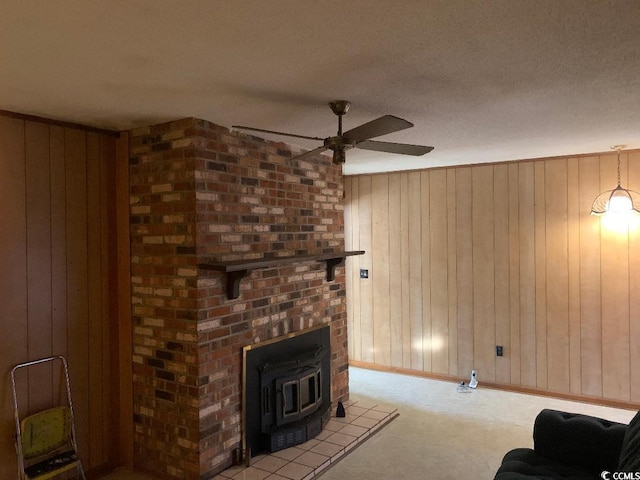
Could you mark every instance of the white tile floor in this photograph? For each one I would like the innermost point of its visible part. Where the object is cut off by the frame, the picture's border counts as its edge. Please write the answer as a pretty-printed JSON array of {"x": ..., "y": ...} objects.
[{"x": 305, "y": 461}]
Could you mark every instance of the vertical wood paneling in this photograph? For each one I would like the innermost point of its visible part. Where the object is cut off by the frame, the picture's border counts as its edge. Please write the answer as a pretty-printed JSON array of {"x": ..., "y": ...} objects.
[
  {"x": 464, "y": 271},
  {"x": 122, "y": 348},
  {"x": 425, "y": 234},
  {"x": 56, "y": 281},
  {"x": 77, "y": 280},
  {"x": 415, "y": 270},
  {"x": 439, "y": 282},
  {"x": 557, "y": 275},
  {"x": 366, "y": 289},
  {"x": 406, "y": 259},
  {"x": 380, "y": 269},
  {"x": 349, "y": 203},
  {"x": 573, "y": 259},
  {"x": 95, "y": 333},
  {"x": 508, "y": 254},
  {"x": 38, "y": 215},
  {"x": 13, "y": 280},
  {"x": 590, "y": 280},
  {"x": 633, "y": 180},
  {"x": 527, "y": 288},
  {"x": 355, "y": 274},
  {"x": 541, "y": 276},
  {"x": 58, "y": 240},
  {"x": 615, "y": 294},
  {"x": 107, "y": 429},
  {"x": 501, "y": 268},
  {"x": 396, "y": 253},
  {"x": 452, "y": 285},
  {"x": 512, "y": 352},
  {"x": 483, "y": 273}
]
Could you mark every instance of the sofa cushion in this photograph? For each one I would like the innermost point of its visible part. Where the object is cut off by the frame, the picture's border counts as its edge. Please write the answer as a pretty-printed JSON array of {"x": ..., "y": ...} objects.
[
  {"x": 525, "y": 464},
  {"x": 579, "y": 440},
  {"x": 630, "y": 452}
]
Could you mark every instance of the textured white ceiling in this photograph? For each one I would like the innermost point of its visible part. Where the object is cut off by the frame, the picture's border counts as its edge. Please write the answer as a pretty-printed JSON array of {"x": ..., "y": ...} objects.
[{"x": 482, "y": 81}]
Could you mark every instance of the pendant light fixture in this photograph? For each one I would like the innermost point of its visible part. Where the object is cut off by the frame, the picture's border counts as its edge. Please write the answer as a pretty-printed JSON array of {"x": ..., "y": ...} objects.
[{"x": 619, "y": 201}]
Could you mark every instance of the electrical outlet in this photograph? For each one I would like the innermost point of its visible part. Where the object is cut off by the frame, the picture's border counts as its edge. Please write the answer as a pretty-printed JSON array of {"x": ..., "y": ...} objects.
[
  {"x": 499, "y": 350},
  {"x": 364, "y": 273}
]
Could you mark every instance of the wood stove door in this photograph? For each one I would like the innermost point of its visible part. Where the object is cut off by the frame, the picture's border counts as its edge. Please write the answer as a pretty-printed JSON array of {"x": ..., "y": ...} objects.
[{"x": 294, "y": 400}]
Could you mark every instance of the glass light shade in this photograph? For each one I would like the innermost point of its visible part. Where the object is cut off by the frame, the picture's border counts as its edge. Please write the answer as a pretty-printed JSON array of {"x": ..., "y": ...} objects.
[{"x": 619, "y": 202}]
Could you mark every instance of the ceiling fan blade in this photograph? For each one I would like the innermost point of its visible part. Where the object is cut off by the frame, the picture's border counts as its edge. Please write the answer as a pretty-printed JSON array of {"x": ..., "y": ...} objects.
[
  {"x": 375, "y": 128},
  {"x": 276, "y": 133},
  {"x": 402, "y": 148},
  {"x": 310, "y": 153}
]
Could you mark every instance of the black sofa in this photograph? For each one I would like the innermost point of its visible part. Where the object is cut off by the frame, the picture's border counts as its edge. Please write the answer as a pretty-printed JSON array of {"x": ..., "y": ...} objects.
[{"x": 575, "y": 447}]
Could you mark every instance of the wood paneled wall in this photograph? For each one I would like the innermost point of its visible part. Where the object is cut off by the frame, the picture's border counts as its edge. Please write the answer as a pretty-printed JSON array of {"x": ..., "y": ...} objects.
[
  {"x": 58, "y": 278},
  {"x": 463, "y": 259}
]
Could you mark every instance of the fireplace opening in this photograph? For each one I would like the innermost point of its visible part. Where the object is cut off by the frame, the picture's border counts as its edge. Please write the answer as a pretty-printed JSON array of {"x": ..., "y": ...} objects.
[{"x": 286, "y": 390}]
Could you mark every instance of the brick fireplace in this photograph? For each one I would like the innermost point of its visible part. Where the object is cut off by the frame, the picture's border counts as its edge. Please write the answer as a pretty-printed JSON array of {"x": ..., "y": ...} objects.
[{"x": 200, "y": 193}]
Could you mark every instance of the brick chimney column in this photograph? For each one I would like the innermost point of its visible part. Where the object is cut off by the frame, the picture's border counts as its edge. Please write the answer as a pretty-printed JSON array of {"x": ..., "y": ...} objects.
[{"x": 198, "y": 192}]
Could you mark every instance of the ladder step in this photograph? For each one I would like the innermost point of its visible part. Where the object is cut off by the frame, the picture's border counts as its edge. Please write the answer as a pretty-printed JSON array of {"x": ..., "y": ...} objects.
[{"x": 51, "y": 464}]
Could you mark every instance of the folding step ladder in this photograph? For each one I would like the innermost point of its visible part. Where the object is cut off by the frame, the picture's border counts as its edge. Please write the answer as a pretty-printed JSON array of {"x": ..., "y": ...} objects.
[{"x": 46, "y": 440}]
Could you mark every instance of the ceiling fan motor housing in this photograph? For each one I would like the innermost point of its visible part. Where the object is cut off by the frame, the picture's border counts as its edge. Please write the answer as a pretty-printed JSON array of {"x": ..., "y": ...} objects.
[{"x": 339, "y": 144}]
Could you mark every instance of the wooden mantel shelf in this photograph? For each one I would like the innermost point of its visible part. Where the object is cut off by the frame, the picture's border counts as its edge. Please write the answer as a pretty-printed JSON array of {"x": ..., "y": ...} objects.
[{"x": 237, "y": 270}]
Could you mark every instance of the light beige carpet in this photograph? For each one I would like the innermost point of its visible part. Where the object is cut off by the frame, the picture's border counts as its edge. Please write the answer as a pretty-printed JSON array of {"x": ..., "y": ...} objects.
[
  {"x": 443, "y": 434},
  {"x": 440, "y": 433}
]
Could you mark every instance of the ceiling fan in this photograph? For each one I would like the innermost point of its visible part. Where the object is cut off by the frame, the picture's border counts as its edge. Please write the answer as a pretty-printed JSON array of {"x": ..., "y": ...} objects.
[{"x": 358, "y": 137}]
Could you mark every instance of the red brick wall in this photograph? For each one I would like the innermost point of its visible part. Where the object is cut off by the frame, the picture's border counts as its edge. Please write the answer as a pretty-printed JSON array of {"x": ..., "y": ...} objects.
[{"x": 199, "y": 192}]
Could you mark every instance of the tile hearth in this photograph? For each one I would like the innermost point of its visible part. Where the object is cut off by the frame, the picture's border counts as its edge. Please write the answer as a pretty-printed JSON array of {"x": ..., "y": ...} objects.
[{"x": 310, "y": 459}]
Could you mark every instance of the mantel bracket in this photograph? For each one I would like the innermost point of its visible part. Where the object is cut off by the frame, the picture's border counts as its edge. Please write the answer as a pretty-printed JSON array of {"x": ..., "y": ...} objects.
[
  {"x": 233, "y": 282},
  {"x": 332, "y": 263}
]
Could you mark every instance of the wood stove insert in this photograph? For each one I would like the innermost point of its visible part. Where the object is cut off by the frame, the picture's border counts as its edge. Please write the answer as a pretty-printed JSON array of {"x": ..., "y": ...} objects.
[{"x": 286, "y": 390}]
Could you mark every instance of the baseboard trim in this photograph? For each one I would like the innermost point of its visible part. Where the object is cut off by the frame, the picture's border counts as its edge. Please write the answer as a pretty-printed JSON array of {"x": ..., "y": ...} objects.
[{"x": 498, "y": 386}]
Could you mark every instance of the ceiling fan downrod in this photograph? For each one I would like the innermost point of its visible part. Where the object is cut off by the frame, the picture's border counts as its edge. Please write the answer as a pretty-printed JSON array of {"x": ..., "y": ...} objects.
[
  {"x": 337, "y": 143},
  {"x": 340, "y": 107}
]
